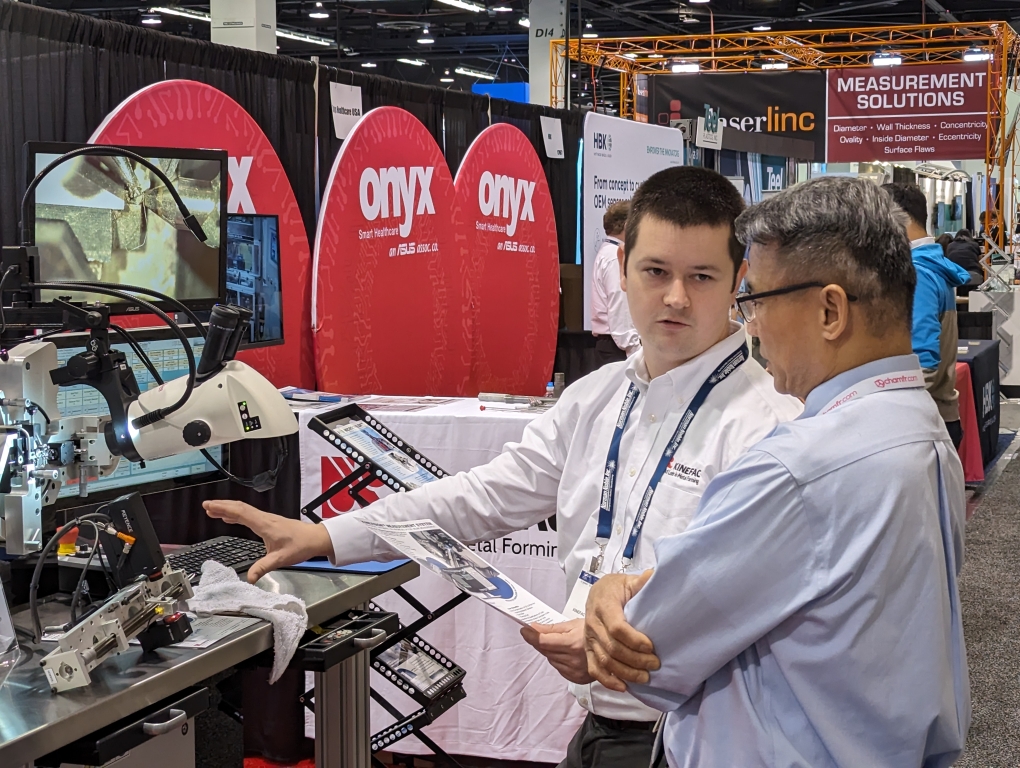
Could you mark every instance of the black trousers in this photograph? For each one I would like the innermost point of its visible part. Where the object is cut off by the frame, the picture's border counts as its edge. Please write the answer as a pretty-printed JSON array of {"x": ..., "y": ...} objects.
[
  {"x": 607, "y": 352},
  {"x": 602, "y": 743},
  {"x": 955, "y": 429}
]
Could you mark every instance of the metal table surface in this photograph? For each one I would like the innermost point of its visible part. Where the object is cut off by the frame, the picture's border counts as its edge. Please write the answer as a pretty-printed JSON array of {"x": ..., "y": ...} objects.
[{"x": 34, "y": 721}]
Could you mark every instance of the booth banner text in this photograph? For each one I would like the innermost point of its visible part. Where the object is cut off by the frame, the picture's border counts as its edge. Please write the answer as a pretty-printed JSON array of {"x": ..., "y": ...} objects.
[
  {"x": 517, "y": 706},
  {"x": 193, "y": 115},
  {"x": 924, "y": 112},
  {"x": 513, "y": 262},
  {"x": 388, "y": 291},
  {"x": 618, "y": 155},
  {"x": 790, "y": 104}
]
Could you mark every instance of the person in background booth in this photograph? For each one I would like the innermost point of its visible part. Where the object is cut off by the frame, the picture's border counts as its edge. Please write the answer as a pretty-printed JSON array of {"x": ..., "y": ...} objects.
[
  {"x": 935, "y": 334},
  {"x": 656, "y": 429},
  {"x": 616, "y": 338}
]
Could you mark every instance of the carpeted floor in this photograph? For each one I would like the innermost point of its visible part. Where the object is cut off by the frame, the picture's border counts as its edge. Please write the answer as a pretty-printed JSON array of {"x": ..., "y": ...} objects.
[{"x": 990, "y": 597}]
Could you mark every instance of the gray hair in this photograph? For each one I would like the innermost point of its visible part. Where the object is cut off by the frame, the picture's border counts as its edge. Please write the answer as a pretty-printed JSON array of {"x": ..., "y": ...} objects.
[{"x": 844, "y": 231}]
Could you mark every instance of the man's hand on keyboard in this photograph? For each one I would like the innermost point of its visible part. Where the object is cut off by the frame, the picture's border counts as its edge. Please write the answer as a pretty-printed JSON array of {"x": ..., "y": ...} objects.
[{"x": 287, "y": 541}]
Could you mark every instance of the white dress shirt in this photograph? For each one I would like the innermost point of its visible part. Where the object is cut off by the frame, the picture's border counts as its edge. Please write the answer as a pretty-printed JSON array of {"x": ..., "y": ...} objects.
[
  {"x": 610, "y": 315},
  {"x": 558, "y": 466}
]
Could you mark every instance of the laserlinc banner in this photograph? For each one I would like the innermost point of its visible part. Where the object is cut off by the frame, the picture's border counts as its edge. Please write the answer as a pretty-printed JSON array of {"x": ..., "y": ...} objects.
[
  {"x": 790, "y": 104},
  {"x": 917, "y": 112}
]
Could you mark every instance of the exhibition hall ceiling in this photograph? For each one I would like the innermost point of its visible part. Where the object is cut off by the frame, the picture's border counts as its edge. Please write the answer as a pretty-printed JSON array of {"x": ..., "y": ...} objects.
[{"x": 492, "y": 39}]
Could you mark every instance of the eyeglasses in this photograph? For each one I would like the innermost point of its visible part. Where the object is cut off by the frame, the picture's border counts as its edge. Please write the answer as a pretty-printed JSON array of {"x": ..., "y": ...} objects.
[{"x": 747, "y": 302}]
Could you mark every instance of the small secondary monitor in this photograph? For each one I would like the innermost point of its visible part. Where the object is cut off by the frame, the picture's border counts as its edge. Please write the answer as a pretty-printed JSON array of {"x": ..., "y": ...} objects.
[
  {"x": 253, "y": 275},
  {"x": 111, "y": 219}
]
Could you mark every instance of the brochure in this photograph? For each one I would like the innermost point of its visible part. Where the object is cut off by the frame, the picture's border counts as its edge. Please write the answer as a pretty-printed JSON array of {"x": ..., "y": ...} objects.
[
  {"x": 429, "y": 545},
  {"x": 370, "y": 441}
]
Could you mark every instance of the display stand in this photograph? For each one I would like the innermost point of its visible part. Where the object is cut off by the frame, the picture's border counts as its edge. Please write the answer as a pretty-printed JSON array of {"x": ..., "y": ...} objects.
[{"x": 405, "y": 659}]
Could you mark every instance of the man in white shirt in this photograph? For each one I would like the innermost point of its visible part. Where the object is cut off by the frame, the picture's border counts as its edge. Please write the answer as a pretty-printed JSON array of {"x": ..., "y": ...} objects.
[
  {"x": 679, "y": 411},
  {"x": 616, "y": 338}
]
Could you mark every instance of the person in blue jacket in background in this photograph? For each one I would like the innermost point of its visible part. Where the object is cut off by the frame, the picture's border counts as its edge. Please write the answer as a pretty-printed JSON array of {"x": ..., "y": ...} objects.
[{"x": 934, "y": 332}]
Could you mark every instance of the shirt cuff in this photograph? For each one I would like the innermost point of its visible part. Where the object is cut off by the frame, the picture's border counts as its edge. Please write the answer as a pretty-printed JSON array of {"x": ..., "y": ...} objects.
[{"x": 352, "y": 541}]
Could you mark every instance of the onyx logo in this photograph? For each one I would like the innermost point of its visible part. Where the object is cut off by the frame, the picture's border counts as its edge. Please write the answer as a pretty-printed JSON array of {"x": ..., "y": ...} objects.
[
  {"x": 603, "y": 141},
  {"x": 506, "y": 197},
  {"x": 391, "y": 193}
]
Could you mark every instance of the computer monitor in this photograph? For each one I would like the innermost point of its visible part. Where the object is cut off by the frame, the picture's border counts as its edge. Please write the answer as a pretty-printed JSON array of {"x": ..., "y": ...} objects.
[
  {"x": 253, "y": 275},
  {"x": 110, "y": 218}
]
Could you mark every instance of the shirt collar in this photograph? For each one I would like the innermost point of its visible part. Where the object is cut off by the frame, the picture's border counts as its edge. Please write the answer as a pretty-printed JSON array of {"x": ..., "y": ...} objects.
[
  {"x": 613, "y": 240},
  {"x": 685, "y": 379},
  {"x": 828, "y": 390},
  {"x": 921, "y": 241}
]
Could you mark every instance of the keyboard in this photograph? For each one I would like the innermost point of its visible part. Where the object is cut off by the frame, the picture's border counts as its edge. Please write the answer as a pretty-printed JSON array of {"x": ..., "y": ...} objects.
[{"x": 231, "y": 551}]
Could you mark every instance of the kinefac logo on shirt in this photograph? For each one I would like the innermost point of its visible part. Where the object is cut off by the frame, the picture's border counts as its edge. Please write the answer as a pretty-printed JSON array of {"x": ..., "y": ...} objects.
[{"x": 683, "y": 472}]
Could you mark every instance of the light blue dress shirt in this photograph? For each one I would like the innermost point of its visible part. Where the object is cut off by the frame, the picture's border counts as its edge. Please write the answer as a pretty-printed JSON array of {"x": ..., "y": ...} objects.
[{"x": 809, "y": 616}]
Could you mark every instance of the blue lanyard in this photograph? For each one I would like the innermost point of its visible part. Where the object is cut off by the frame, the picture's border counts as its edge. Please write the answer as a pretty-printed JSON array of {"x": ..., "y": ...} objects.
[{"x": 608, "y": 501}]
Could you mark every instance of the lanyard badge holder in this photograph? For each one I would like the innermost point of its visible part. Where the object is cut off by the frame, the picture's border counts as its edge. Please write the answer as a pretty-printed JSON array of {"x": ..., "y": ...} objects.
[{"x": 587, "y": 578}]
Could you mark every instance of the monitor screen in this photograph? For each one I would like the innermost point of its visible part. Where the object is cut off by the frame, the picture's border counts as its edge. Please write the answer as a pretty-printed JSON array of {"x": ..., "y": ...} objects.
[
  {"x": 253, "y": 275},
  {"x": 111, "y": 219},
  {"x": 169, "y": 360}
]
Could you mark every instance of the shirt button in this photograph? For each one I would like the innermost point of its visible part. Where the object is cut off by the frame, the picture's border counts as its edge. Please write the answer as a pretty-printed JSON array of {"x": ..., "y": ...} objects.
[
  {"x": 652, "y": 418},
  {"x": 619, "y": 529},
  {"x": 584, "y": 701},
  {"x": 633, "y": 471}
]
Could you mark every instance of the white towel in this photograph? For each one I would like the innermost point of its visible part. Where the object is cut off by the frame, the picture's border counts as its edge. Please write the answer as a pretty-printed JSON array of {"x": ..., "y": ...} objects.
[{"x": 221, "y": 591}]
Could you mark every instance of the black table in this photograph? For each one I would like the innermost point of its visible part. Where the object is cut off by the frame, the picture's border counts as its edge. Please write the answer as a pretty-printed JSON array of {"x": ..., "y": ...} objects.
[{"x": 983, "y": 359}]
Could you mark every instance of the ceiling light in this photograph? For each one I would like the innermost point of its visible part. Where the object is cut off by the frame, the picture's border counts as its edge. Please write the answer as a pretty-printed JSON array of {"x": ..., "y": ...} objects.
[
  {"x": 465, "y": 5},
  {"x": 447, "y": 80},
  {"x": 196, "y": 15},
  {"x": 886, "y": 59},
  {"x": 697, "y": 1},
  {"x": 681, "y": 67},
  {"x": 412, "y": 62},
  {"x": 976, "y": 54},
  {"x": 689, "y": 20},
  {"x": 762, "y": 28},
  {"x": 318, "y": 12},
  {"x": 426, "y": 38},
  {"x": 630, "y": 55},
  {"x": 474, "y": 73},
  {"x": 302, "y": 37},
  {"x": 775, "y": 65},
  {"x": 151, "y": 18},
  {"x": 369, "y": 64},
  {"x": 589, "y": 32},
  {"x": 501, "y": 9},
  {"x": 655, "y": 56},
  {"x": 524, "y": 22}
]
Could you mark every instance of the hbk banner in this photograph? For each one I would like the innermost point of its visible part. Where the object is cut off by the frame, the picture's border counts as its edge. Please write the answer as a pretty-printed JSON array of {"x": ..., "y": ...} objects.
[
  {"x": 917, "y": 112},
  {"x": 790, "y": 104}
]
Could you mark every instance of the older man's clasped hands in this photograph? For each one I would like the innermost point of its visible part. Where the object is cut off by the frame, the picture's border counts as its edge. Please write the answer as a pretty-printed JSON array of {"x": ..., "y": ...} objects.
[{"x": 617, "y": 653}]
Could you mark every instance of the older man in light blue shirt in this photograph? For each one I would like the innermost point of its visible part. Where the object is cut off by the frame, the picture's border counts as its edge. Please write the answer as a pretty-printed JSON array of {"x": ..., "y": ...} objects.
[{"x": 809, "y": 616}]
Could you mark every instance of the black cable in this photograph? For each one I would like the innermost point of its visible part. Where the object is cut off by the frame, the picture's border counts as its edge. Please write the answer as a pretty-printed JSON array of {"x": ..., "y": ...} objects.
[
  {"x": 33, "y": 589},
  {"x": 107, "y": 151},
  {"x": 159, "y": 413},
  {"x": 139, "y": 353},
  {"x": 3, "y": 320},
  {"x": 76, "y": 595},
  {"x": 36, "y": 407},
  {"x": 148, "y": 291}
]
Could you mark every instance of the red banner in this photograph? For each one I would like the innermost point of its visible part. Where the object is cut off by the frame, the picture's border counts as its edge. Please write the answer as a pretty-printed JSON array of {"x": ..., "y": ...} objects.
[
  {"x": 513, "y": 268},
  {"x": 187, "y": 114},
  {"x": 925, "y": 112},
  {"x": 389, "y": 298}
]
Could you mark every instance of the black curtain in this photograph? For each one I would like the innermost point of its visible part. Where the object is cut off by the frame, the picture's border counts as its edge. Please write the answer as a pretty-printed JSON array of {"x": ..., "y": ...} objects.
[
  {"x": 465, "y": 115},
  {"x": 61, "y": 75}
]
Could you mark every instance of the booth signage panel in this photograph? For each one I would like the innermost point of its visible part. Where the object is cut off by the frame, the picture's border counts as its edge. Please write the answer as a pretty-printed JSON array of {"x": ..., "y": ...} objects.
[
  {"x": 388, "y": 294},
  {"x": 618, "y": 155},
  {"x": 191, "y": 115},
  {"x": 786, "y": 103},
  {"x": 513, "y": 267},
  {"x": 922, "y": 112}
]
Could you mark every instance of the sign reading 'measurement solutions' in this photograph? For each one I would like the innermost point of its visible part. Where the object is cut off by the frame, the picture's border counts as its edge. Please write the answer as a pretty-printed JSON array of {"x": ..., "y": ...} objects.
[
  {"x": 513, "y": 262},
  {"x": 388, "y": 290},
  {"x": 924, "y": 112}
]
